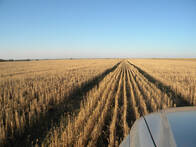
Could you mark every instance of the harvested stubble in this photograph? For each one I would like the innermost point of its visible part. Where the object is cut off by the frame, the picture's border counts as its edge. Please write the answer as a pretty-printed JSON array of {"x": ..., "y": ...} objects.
[
  {"x": 104, "y": 108},
  {"x": 31, "y": 91}
]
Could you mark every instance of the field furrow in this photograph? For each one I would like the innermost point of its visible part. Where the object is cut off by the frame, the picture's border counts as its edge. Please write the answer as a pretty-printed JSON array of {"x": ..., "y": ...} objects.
[
  {"x": 112, "y": 137},
  {"x": 133, "y": 104},
  {"x": 125, "y": 106},
  {"x": 139, "y": 97}
]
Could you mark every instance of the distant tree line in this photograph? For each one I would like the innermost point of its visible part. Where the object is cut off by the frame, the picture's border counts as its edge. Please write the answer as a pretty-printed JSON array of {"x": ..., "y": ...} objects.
[
  {"x": 13, "y": 60},
  {"x": 1, "y": 60}
]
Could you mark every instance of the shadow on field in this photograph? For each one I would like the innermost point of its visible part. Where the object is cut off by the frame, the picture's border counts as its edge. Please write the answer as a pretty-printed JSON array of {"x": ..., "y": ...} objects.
[
  {"x": 178, "y": 99},
  {"x": 38, "y": 131}
]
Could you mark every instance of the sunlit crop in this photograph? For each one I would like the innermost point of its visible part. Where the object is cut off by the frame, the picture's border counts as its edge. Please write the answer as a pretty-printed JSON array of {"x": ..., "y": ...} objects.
[{"x": 87, "y": 102}]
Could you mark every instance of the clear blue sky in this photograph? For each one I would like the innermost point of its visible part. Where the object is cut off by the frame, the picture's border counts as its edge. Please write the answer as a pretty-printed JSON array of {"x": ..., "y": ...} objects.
[{"x": 97, "y": 28}]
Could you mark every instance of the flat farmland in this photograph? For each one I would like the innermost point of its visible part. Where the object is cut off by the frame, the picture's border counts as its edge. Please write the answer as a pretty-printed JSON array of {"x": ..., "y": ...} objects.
[
  {"x": 87, "y": 102},
  {"x": 180, "y": 74}
]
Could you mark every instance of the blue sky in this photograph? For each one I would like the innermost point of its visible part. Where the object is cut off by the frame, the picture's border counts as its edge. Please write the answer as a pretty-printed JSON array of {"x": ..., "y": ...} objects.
[{"x": 97, "y": 28}]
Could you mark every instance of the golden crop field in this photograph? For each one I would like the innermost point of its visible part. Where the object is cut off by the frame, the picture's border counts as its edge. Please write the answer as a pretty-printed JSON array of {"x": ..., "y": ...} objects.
[
  {"x": 180, "y": 74},
  {"x": 90, "y": 102}
]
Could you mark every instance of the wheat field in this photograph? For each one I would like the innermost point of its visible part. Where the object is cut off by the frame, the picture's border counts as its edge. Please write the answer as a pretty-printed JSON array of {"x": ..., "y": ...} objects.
[{"x": 87, "y": 102}]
